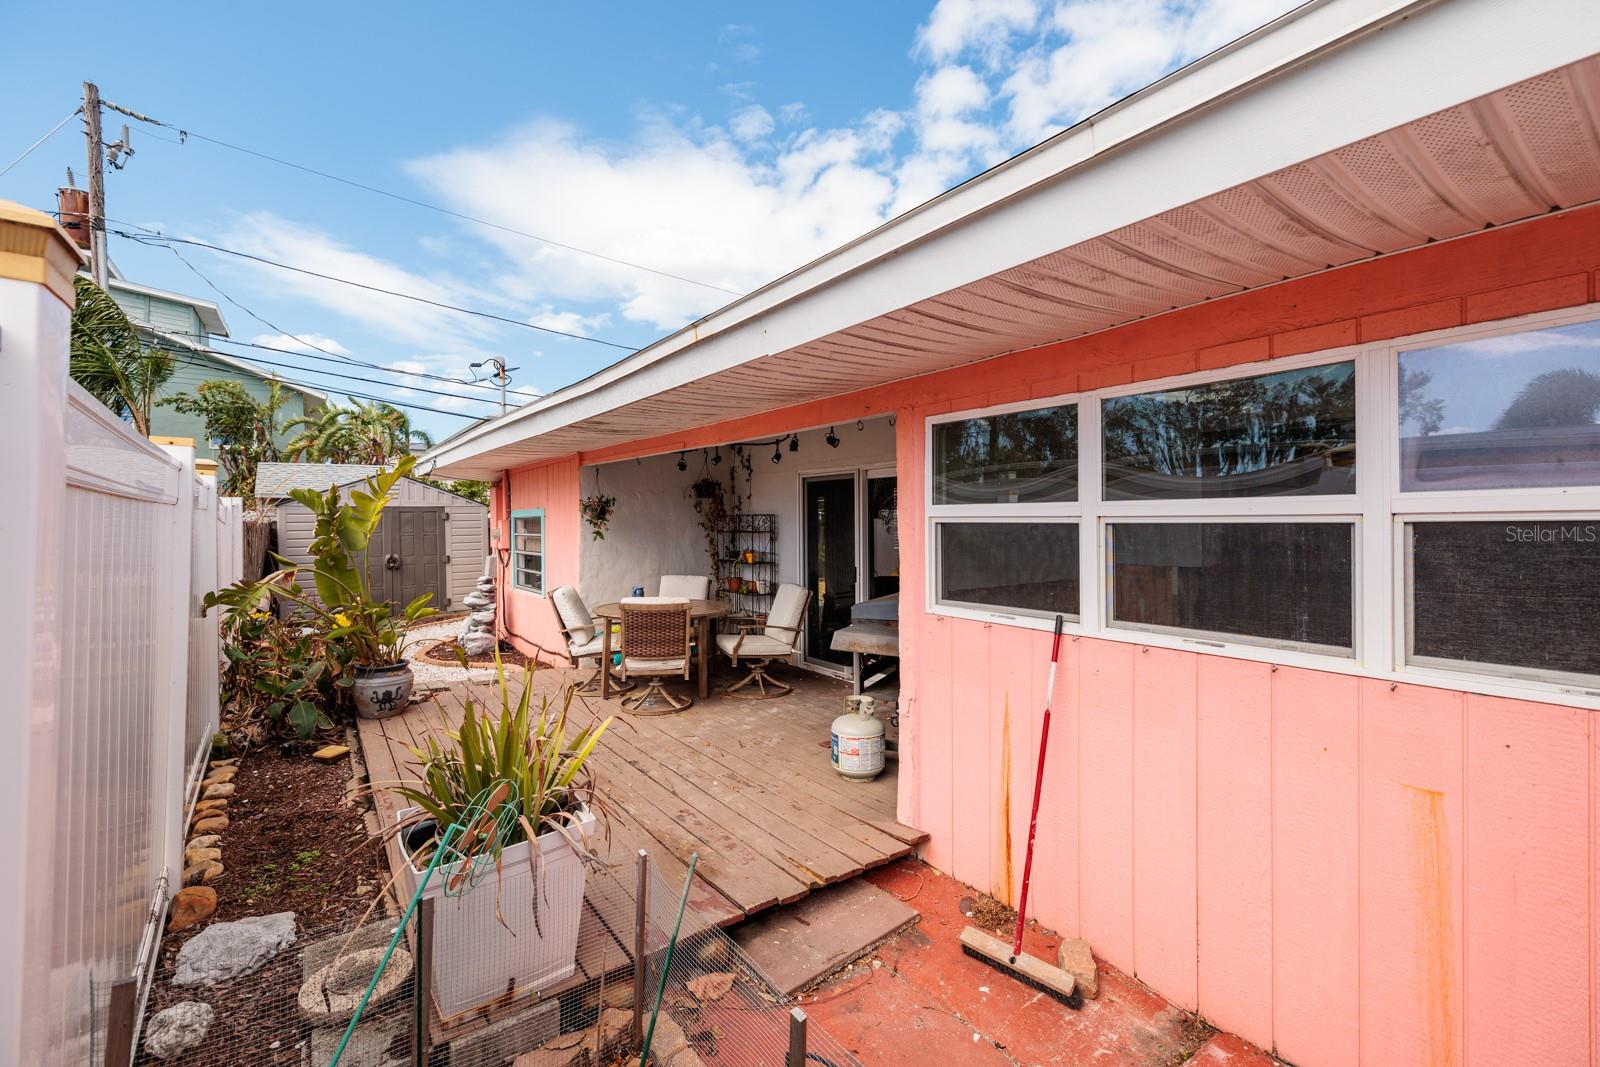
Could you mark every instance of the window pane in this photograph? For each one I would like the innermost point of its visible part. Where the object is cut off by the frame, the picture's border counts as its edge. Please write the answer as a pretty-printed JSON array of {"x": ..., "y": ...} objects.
[
  {"x": 1287, "y": 434},
  {"x": 1502, "y": 412},
  {"x": 1023, "y": 457},
  {"x": 1273, "y": 581},
  {"x": 1014, "y": 566},
  {"x": 1517, "y": 594}
]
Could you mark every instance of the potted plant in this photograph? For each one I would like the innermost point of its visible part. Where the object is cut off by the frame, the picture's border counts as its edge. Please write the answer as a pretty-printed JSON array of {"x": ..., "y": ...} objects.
[
  {"x": 372, "y": 637},
  {"x": 508, "y": 889},
  {"x": 596, "y": 512}
]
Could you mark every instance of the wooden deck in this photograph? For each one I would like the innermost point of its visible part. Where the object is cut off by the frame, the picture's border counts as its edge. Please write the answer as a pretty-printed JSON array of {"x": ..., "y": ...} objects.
[{"x": 746, "y": 783}]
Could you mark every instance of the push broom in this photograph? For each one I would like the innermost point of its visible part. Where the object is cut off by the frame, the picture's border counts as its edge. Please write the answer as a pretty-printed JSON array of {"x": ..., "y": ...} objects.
[{"x": 1009, "y": 958}]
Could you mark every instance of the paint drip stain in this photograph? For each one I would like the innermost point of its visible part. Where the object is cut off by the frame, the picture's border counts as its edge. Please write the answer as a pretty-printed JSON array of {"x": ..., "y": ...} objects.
[
  {"x": 1435, "y": 923},
  {"x": 1004, "y": 881}
]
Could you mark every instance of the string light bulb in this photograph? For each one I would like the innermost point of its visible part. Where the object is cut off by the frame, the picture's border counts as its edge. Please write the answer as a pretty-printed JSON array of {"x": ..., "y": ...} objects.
[
  {"x": 716, "y": 457},
  {"x": 794, "y": 442},
  {"x": 777, "y": 453},
  {"x": 832, "y": 438},
  {"x": 682, "y": 466}
]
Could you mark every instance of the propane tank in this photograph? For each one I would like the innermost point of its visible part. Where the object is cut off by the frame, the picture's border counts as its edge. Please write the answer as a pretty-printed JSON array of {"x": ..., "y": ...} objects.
[{"x": 857, "y": 747}]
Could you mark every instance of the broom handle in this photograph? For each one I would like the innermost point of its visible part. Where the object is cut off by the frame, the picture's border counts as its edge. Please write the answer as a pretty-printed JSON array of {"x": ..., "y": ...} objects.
[{"x": 1038, "y": 784}]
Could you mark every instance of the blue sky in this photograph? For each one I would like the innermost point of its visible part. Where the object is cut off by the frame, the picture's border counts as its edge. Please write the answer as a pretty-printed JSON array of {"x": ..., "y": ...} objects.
[{"x": 724, "y": 143}]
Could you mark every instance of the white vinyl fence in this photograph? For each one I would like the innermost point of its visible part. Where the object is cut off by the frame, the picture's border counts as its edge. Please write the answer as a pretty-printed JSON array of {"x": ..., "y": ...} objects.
[{"x": 112, "y": 543}]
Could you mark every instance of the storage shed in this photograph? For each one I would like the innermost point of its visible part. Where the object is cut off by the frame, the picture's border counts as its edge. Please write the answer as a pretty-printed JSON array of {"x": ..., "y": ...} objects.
[{"x": 430, "y": 540}]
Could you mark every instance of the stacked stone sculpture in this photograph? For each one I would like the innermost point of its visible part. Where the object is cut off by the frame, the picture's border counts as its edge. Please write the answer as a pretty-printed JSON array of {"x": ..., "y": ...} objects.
[{"x": 477, "y": 633}]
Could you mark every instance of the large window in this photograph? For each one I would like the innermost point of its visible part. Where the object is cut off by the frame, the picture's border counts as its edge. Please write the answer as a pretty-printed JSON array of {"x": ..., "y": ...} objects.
[
  {"x": 1287, "y": 434},
  {"x": 527, "y": 550},
  {"x": 1223, "y": 510}
]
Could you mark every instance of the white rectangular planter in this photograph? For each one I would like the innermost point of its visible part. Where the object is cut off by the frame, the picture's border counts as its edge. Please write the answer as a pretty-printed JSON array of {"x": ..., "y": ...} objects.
[{"x": 476, "y": 958}]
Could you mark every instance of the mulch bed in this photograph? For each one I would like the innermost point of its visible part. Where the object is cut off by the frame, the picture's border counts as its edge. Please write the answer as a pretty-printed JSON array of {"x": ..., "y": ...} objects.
[
  {"x": 444, "y": 654},
  {"x": 292, "y": 844}
]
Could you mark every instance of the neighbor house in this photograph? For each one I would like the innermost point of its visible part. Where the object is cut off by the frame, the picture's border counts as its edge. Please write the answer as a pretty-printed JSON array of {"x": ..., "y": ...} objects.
[{"x": 1280, "y": 380}]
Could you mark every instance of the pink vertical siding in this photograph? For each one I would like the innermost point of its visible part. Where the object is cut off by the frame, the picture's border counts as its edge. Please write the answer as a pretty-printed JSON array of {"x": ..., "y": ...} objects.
[
  {"x": 530, "y": 621},
  {"x": 1105, "y": 798},
  {"x": 1234, "y": 828}
]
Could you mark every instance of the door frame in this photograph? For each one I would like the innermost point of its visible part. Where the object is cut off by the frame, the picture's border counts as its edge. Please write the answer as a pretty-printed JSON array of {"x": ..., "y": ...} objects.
[{"x": 863, "y": 533}]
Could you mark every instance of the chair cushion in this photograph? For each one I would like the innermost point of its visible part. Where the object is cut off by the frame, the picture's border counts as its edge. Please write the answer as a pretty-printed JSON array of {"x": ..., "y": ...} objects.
[
  {"x": 788, "y": 608},
  {"x": 654, "y": 600},
  {"x": 654, "y": 666},
  {"x": 755, "y": 646},
  {"x": 690, "y": 586},
  {"x": 578, "y": 650}
]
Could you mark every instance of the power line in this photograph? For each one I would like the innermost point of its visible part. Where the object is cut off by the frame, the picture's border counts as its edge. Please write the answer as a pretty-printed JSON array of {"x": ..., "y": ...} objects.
[
  {"x": 29, "y": 150},
  {"x": 156, "y": 238},
  {"x": 185, "y": 134}
]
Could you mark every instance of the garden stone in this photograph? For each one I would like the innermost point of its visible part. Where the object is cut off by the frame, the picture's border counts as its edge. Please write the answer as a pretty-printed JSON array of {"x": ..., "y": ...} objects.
[
  {"x": 193, "y": 855},
  {"x": 219, "y": 775},
  {"x": 483, "y": 618},
  {"x": 214, "y": 792},
  {"x": 329, "y": 753},
  {"x": 478, "y": 600},
  {"x": 369, "y": 1045},
  {"x": 191, "y": 907},
  {"x": 478, "y": 644},
  {"x": 212, "y": 824},
  {"x": 204, "y": 841},
  {"x": 204, "y": 871},
  {"x": 228, "y": 950},
  {"x": 501, "y": 1041},
  {"x": 177, "y": 1029},
  {"x": 219, "y": 804}
]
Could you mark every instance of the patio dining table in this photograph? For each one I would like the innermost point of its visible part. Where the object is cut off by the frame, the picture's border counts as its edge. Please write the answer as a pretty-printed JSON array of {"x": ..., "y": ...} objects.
[{"x": 701, "y": 612}]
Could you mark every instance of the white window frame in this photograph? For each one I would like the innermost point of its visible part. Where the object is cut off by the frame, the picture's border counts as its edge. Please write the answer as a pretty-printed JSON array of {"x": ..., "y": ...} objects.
[{"x": 1378, "y": 509}]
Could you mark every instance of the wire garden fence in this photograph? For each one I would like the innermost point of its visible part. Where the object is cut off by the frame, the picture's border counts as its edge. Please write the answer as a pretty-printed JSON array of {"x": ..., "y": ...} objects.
[{"x": 639, "y": 971}]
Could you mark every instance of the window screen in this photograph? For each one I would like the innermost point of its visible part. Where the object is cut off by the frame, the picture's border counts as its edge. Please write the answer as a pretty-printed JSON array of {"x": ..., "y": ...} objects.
[
  {"x": 1021, "y": 457},
  {"x": 1512, "y": 594},
  {"x": 1515, "y": 411},
  {"x": 1030, "y": 567},
  {"x": 1292, "y": 433},
  {"x": 527, "y": 551},
  {"x": 1278, "y": 582}
]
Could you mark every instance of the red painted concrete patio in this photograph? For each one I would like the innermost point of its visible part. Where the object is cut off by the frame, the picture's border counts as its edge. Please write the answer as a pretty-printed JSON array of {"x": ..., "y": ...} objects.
[{"x": 928, "y": 1003}]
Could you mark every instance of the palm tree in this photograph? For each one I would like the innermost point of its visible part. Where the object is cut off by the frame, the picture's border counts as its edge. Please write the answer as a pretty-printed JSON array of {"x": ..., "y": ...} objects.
[
  {"x": 321, "y": 436},
  {"x": 109, "y": 360},
  {"x": 374, "y": 432}
]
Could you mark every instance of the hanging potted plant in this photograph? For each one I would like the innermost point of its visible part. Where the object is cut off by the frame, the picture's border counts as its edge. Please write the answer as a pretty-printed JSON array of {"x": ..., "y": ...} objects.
[
  {"x": 508, "y": 890},
  {"x": 596, "y": 511}
]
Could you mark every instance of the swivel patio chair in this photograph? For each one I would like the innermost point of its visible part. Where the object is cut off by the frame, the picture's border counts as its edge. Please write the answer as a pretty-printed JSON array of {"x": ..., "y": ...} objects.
[
  {"x": 584, "y": 635},
  {"x": 657, "y": 635},
  {"x": 776, "y": 638},
  {"x": 689, "y": 586}
]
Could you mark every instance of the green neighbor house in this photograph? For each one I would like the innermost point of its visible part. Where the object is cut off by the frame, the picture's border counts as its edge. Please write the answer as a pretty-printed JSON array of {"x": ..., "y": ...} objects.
[{"x": 186, "y": 325}]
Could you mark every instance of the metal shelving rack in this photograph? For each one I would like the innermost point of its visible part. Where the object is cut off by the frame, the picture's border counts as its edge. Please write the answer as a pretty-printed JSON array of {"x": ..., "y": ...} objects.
[{"x": 748, "y": 545}]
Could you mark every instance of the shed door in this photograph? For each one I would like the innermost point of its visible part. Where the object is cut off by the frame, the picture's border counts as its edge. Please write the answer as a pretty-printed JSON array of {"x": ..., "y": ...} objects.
[{"x": 406, "y": 556}]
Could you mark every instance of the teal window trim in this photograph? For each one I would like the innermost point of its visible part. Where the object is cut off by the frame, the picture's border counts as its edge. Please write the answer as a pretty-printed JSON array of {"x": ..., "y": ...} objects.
[{"x": 528, "y": 557}]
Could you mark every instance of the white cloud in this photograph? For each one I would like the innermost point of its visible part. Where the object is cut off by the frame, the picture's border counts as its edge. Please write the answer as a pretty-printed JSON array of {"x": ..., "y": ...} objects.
[
  {"x": 751, "y": 123},
  {"x": 569, "y": 321},
  {"x": 303, "y": 342},
  {"x": 984, "y": 27}
]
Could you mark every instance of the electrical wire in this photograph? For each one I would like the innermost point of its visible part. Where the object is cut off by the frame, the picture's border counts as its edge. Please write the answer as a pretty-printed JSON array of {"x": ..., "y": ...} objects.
[
  {"x": 184, "y": 358},
  {"x": 184, "y": 134},
  {"x": 29, "y": 150},
  {"x": 157, "y": 239}
]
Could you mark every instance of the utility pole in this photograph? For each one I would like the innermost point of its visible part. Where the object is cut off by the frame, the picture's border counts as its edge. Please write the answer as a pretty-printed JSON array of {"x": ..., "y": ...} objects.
[
  {"x": 501, "y": 371},
  {"x": 97, "y": 184}
]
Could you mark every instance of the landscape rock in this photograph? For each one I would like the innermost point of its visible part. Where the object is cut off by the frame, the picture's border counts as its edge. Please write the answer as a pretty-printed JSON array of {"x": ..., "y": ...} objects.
[
  {"x": 219, "y": 775},
  {"x": 501, "y": 1041},
  {"x": 211, "y": 824},
  {"x": 482, "y": 618},
  {"x": 1076, "y": 959},
  {"x": 212, "y": 792},
  {"x": 193, "y": 855},
  {"x": 231, "y": 761},
  {"x": 329, "y": 753},
  {"x": 477, "y": 600},
  {"x": 192, "y": 906},
  {"x": 219, "y": 804},
  {"x": 204, "y": 841},
  {"x": 204, "y": 871},
  {"x": 333, "y": 993},
  {"x": 177, "y": 1029},
  {"x": 227, "y": 950},
  {"x": 369, "y": 1046},
  {"x": 573, "y": 1049},
  {"x": 478, "y": 643}
]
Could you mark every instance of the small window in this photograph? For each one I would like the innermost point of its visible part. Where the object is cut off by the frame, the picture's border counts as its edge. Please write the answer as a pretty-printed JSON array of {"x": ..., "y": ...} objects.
[
  {"x": 1515, "y": 411},
  {"x": 1292, "y": 433},
  {"x": 1280, "y": 583},
  {"x": 1513, "y": 597},
  {"x": 1016, "y": 458},
  {"x": 1026, "y": 567},
  {"x": 527, "y": 550}
]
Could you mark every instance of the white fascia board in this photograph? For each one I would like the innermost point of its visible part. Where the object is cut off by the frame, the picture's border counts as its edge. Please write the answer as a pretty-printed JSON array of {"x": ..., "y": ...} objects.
[{"x": 1325, "y": 75}]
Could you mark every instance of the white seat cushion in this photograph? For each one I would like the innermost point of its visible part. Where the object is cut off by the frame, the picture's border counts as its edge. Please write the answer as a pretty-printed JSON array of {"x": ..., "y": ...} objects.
[
  {"x": 655, "y": 600},
  {"x": 788, "y": 608},
  {"x": 590, "y": 647},
  {"x": 690, "y": 586},
  {"x": 755, "y": 646},
  {"x": 654, "y": 666}
]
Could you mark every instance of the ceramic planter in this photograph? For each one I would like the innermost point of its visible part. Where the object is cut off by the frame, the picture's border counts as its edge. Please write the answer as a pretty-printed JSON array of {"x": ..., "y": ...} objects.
[
  {"x": 476, "y": 957},
  {"x": 382, "y": 691}
]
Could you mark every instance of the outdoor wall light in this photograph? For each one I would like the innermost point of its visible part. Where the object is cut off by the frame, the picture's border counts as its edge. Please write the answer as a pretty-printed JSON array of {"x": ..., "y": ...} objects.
[
  {"x": 777, "y": 454},
  {"x": 716, "y": 457},
  {"x": 794, "y": 443},
  {"x": 681, "y": 464},
  {"x": 832, "y": 438}
]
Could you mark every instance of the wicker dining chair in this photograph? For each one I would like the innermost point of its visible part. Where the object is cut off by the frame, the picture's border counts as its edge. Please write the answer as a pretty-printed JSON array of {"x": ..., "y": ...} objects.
[
  {"x": 657, "y": 634},
  {"x": 777, "y": 637}
]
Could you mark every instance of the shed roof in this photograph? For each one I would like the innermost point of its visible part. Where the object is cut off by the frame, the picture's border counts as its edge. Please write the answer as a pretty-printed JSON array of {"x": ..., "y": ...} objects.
[
  {"x": 276, "y": 479},
  {"x": 1344, "y": 130}
]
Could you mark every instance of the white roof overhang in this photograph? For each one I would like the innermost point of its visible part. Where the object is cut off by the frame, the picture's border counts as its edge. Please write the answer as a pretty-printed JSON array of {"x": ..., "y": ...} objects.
[
  {"x": 210, "y": 315},
  {"x": 1343, "y": 130}
]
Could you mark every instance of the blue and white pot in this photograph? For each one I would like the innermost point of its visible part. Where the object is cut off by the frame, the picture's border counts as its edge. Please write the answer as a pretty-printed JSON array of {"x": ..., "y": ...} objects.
[{"x": 380, "y": 692}]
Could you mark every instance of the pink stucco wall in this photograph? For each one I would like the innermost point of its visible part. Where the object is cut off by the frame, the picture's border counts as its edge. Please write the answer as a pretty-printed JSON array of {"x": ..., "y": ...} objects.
[{"x": 1342, "y": 869}]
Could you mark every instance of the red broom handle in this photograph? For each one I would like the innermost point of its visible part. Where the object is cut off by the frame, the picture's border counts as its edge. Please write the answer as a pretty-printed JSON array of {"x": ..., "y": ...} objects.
[{"x": 1038, "y": 785}]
